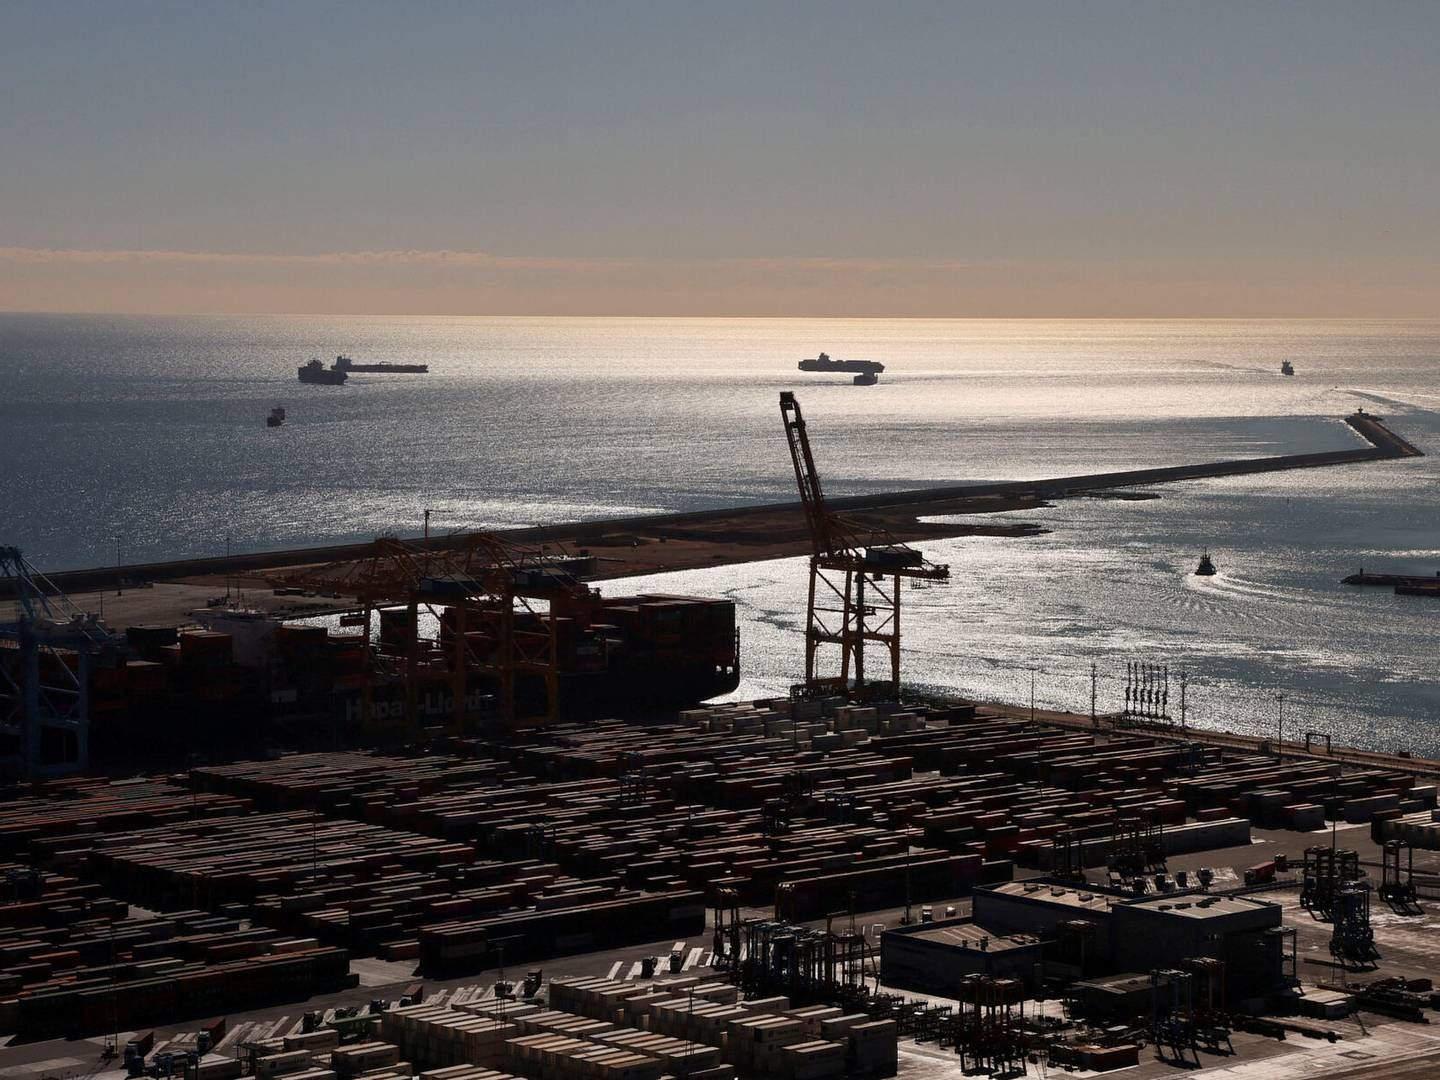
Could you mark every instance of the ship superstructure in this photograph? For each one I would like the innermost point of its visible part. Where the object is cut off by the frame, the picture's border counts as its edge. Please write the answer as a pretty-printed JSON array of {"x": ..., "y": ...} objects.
[{"x": 317, "y": 374}]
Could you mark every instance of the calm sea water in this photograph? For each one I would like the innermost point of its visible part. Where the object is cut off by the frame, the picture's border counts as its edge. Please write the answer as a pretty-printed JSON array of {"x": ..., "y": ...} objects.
[{"x": 151, "y": 430}]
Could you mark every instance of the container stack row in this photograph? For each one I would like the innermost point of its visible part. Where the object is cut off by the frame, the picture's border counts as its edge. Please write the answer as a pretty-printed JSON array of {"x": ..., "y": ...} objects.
[
  {"x": 102, "y": 971},
  {"x": 378, "y": 890},
  {"x": 56, "y": 822},
  {"x": 756, "y": 1038}
]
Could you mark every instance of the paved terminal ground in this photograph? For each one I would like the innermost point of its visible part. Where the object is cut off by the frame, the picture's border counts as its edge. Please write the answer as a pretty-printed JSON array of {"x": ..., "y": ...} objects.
[
  {"x": 391, "y": 787},
  {"x": 1368, "y": 1046},
  {"x": 174, "y": 603}
]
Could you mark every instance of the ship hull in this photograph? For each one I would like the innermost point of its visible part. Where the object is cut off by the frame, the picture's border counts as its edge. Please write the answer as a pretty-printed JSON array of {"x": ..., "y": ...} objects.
[
  {"x": 866, "y": 372},
  {"x": 658, "y": 689}
]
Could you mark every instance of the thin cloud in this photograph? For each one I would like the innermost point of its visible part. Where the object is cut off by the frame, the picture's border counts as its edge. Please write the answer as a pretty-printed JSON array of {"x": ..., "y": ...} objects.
[
  {"x": 91, "y": 257},
  {"x": 418, "y": 281},
  {"x": 458, "y": 260}
]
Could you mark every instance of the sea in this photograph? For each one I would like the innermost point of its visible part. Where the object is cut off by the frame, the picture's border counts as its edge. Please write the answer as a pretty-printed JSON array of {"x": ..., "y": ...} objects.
[{"x": 143, "y": 438}]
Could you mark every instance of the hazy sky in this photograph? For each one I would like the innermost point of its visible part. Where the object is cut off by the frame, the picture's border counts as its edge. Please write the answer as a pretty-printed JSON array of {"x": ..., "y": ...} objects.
[{"x": 1006, "y": 158}]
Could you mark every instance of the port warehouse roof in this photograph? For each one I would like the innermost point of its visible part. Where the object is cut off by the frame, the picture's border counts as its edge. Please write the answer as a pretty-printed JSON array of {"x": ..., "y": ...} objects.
[
  {"x": 1192, "y": 904},
  {"x": 1011, "y": 921}
]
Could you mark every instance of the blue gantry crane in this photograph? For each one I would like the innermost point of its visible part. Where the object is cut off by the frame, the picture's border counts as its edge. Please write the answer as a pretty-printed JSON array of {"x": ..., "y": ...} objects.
[{"x": 47, "y": 650}]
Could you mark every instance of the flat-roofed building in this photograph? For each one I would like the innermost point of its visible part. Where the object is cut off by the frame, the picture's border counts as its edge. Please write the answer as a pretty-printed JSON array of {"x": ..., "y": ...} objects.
[
  {"x": 935, "y": 958},
  {"x": 1019, "y": 929},
  {"x": 1241, "y": 931},
  {"x": 1037, "y": 907}
]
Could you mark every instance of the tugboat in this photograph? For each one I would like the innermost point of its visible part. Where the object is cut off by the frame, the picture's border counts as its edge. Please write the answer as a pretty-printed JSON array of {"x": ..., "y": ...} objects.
[
  {"x": 344, "y": 363},
  {"x": 317, "y": 373},
  {"x": 1287, "y": 368},
  {"x": 1206, "y": 567},
  {"x": 276, "y": 417}
]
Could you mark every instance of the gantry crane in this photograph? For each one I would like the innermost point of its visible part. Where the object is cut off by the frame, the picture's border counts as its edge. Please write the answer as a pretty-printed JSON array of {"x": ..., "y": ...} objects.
[
  {"x": 514, "y": 598},
  {"x": 855, "y": 576},
  {"x": 47, "y": 651},
  {"x": 497, "y": 603}
]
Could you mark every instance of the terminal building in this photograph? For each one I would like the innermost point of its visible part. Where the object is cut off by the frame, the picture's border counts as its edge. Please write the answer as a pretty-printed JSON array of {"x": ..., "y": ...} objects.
[{"x": 1037, "y": 931}]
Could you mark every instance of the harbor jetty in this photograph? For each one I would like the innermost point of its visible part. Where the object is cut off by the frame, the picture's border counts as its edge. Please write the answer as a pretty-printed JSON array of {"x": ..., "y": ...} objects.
[
  {"x": 629, "y": 545},
  {"x": 1403, "y": 584}
]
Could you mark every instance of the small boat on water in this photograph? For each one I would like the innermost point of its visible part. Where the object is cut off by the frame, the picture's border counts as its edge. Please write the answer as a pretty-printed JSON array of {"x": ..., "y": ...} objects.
[
  {"x": 1206, "y": 567},
  {"x": 1287, "y": 368},
  {"x": 318, "y": 374},
  {"x": 276, "y": 417}
]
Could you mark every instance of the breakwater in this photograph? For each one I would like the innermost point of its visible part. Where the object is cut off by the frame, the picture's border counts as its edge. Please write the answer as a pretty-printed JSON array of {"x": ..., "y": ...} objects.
[{"x": 1384, "y": 445}]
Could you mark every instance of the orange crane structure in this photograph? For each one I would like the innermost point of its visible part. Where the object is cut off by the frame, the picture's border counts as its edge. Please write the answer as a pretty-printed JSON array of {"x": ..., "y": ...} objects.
[
  {"x": 494, "y": 607},
  {"x": 855, "y": 576}
]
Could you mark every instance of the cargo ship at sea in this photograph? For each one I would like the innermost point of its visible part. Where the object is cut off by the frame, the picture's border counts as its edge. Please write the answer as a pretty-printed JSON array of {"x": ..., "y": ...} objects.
[
  {"x": 866, "y": 372},
  {"x": 344, "y": 363},
  {"x": 317, "y": 374}
]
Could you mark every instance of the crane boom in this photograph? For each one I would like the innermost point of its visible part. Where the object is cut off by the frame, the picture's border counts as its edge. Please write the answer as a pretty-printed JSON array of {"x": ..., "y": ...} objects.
[{"x": 812, "y": 497}]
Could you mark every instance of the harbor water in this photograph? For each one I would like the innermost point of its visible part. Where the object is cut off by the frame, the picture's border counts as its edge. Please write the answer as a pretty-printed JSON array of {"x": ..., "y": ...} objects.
[{"x": 145, "y": 437}]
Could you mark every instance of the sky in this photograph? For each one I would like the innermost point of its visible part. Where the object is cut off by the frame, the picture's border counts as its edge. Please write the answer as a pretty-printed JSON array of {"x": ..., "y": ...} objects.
[{"x": 1017, "y": 158}]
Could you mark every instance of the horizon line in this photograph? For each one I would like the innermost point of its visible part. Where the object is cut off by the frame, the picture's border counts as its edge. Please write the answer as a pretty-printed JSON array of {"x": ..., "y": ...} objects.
[{"x": 90, "y": 313}]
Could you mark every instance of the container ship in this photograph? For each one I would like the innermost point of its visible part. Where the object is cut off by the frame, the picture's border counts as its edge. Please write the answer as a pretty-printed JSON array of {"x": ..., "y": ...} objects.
[
  {"x": 866, "y": 372},
  {"x": 635, "y": 654},
  {"x": 232, "y": 679},
  {"x": 344, "y": 363}
]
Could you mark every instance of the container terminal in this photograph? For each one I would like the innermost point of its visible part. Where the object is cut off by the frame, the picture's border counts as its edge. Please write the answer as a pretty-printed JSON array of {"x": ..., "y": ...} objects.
[{"x": 480, "y": 824}]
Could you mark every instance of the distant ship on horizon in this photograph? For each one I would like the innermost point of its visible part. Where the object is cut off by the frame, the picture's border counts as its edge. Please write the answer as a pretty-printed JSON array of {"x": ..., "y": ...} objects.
[
  {"x": 336, "y": 374},
  {"x": 344, "y": 363},
  {"x": 866, "y": 372}
]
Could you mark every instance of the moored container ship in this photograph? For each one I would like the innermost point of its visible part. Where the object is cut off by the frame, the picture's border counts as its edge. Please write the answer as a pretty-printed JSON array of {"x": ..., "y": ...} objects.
[
  {"x": 253, "y": 677},
  {"x": 614, "y": 656}
]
